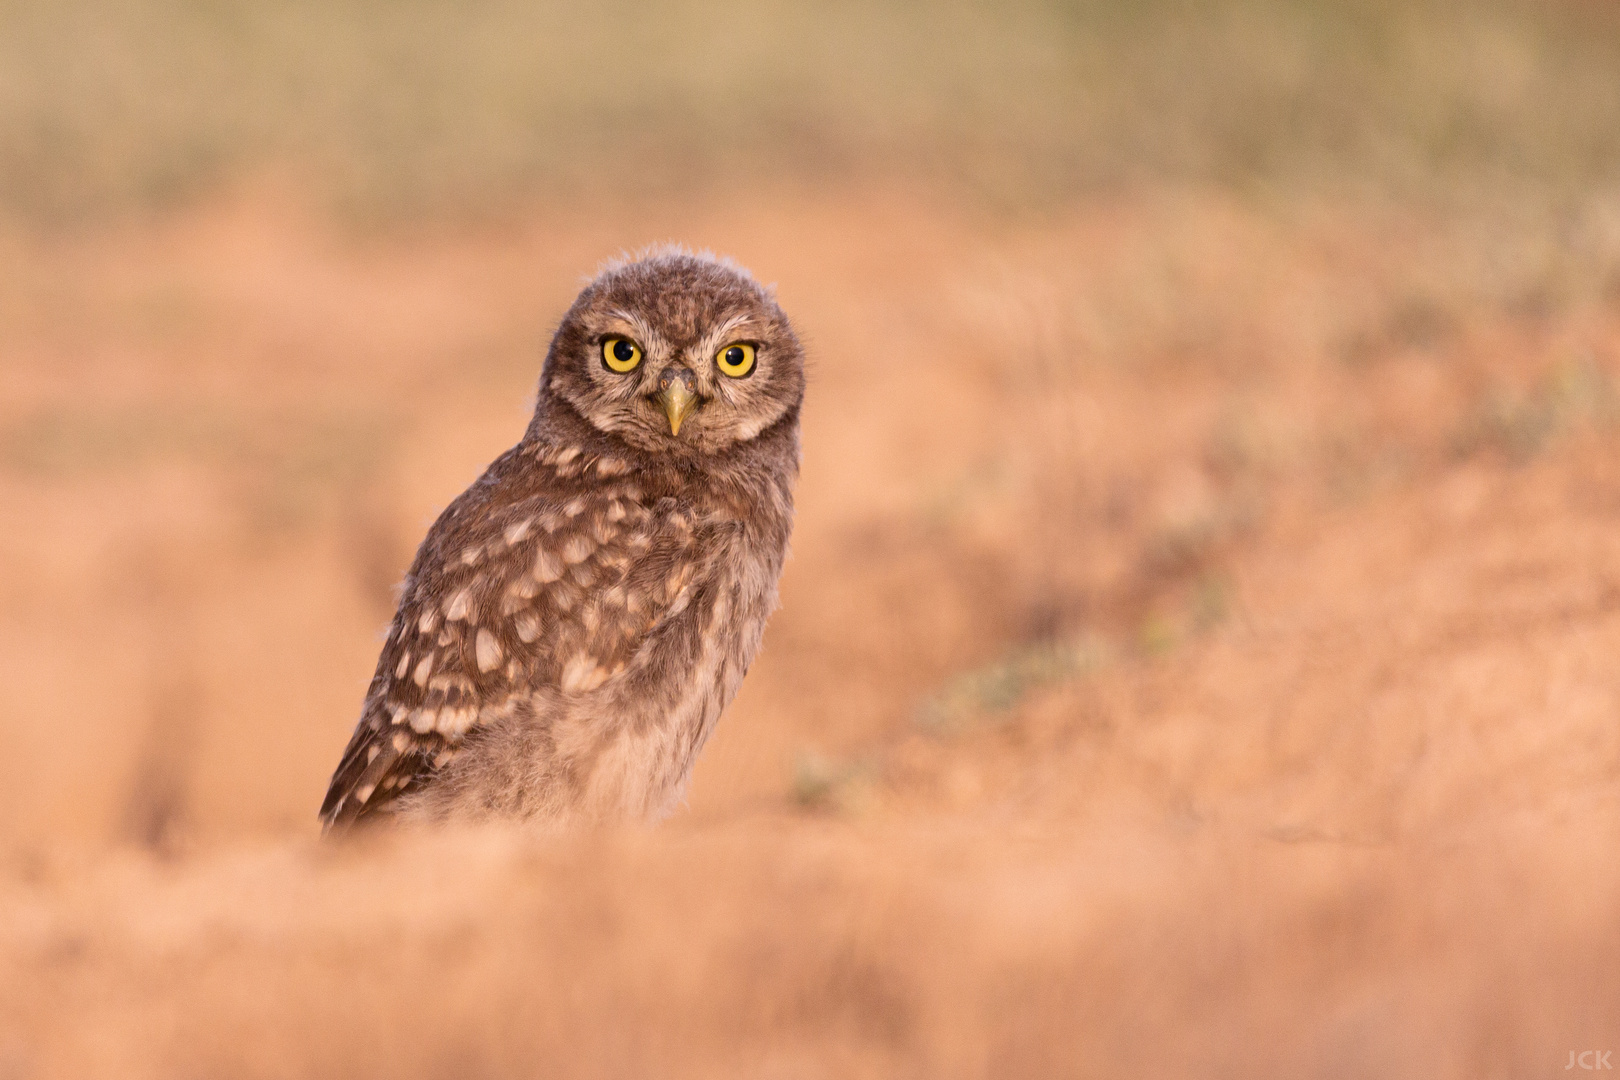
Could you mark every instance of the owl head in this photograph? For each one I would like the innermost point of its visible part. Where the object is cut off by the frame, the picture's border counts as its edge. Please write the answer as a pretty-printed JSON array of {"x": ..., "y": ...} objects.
[{"x": 674, "y": 353}]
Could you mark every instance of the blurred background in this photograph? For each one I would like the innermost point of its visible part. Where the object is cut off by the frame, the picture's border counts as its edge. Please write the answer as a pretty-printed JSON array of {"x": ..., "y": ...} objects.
[{"x": 1199, "y": 654}]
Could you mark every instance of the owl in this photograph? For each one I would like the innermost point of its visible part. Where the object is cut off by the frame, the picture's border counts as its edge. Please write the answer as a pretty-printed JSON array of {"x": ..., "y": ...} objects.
[{"x": 576, "y": 621}]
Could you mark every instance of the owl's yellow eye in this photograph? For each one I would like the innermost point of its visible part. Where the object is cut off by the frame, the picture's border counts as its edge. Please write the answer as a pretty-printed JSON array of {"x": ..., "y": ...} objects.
[
  {"x": 621, "y": 354},
  {"x": 735, "y": 360}
]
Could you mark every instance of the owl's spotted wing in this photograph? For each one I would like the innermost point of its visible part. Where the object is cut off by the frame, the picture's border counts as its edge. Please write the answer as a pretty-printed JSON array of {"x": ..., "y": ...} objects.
[{"x": 550, "y": 572}]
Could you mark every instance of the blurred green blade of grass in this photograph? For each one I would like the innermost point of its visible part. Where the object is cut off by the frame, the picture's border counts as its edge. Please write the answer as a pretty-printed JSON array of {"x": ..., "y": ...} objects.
[{"x": 426, "y": 105}]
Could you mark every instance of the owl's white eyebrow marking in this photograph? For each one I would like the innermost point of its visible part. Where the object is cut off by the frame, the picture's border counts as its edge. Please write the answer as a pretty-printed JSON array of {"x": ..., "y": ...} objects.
[
  {"x": 724, "y": 334},
  {"x": 640, "y": 329}
]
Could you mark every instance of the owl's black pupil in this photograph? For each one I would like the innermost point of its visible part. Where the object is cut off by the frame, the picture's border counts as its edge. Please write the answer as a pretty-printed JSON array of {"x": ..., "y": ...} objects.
[
  {"x": 734, "y": 355},
  {"x": 623, "y": 350}
]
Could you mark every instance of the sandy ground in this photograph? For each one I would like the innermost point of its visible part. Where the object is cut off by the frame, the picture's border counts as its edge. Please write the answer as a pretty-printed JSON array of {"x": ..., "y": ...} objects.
[{"x": 1198, "y": 657}]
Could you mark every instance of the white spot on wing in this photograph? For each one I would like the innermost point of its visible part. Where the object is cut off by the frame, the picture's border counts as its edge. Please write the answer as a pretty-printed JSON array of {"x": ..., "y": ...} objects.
[
  {"x": 458, "y": 606},
  {"x": 582, "y": 674},
  {"x": 576, "y": 549},
  {"x": 547, "y": 566},
  {"x": 456, "y": 721},
  {"x": 487, "y": 650},
  {"x": 423, "y": 670},
  {"x": 404, "y": 664},
  {"x": 678, "y": 580},
  {"x": 527, "y": 625}
]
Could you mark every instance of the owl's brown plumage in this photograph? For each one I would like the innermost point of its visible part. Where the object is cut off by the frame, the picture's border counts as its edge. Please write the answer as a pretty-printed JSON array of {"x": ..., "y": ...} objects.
[{"x": 574, "y": 623}]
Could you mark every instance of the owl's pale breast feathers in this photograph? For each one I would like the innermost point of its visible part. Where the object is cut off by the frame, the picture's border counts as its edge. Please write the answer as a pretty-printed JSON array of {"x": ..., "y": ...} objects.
[{"x": 584, "y": 597}]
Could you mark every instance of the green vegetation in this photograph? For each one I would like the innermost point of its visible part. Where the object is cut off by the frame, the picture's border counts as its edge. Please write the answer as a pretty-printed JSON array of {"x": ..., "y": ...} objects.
[
  {"x": 999, "y": 687},
  {"x": 1579, "y": 394},
  {"x": 821, "y": 782},
  {"x": 425, "y": 105}
]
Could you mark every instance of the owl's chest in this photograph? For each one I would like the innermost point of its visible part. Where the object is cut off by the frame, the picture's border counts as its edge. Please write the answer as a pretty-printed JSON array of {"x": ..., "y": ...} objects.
[{"x": 634, "y": 746}]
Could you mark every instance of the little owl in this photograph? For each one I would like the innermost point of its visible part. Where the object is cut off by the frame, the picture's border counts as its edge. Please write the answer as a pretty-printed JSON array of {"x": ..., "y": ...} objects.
[{"x": 575, "y": 621}]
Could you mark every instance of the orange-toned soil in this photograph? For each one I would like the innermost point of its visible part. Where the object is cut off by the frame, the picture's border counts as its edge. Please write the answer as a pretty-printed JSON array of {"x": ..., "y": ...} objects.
[{"x": 1200, "y": 657}]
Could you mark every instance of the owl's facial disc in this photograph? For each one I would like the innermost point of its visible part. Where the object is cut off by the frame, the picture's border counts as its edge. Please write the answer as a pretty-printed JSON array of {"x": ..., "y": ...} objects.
[
  {"x": 675, "y": 354},
  {"x": 677, "y": 395}
]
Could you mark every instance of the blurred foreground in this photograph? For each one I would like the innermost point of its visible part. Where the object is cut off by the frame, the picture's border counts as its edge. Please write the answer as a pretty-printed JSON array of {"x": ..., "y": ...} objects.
[{"x": 1197, "y": 656}]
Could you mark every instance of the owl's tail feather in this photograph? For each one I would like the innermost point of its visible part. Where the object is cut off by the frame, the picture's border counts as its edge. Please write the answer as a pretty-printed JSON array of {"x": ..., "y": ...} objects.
[{"x": 356, "y": 780}]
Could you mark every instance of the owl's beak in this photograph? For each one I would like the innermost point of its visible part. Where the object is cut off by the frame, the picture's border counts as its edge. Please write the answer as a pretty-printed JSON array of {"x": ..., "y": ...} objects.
[{"x": 677, "y": 394}]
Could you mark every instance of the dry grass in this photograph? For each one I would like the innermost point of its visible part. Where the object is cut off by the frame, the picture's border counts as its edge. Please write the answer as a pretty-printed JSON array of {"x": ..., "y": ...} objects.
[
  {"x": 1179, "y": 670},
  {"x": 400, "y": 108}
]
